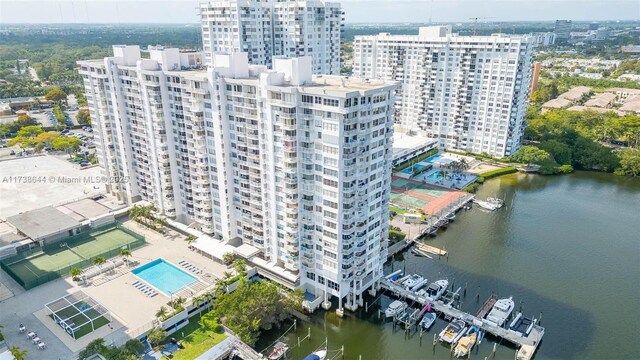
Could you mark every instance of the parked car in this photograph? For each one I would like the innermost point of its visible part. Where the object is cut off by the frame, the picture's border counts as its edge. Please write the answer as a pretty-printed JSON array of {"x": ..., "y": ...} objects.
[{"x": 12, "y": 152}]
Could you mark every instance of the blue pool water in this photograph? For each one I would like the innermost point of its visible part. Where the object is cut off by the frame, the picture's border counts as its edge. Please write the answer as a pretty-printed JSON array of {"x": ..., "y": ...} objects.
[
  {"x": 164, "y": 276},
  {"x": 433, "y": 158},
  {"x": 434, "y": 176},
  {"x": 416, "y": 168}
]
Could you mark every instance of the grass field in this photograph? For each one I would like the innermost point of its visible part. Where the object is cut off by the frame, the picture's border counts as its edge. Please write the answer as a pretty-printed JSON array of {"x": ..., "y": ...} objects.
[
  {"x": 45, "y": 264},
  {"x": 197, "y": 339}
]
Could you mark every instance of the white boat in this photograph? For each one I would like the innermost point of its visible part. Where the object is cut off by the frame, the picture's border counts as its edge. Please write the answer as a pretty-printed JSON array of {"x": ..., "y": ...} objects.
[
  {"x": 453, "y": 331},
  {"x": 428, "y": 320},
  {"x": 501, "y": 311},
  {"x": 412, "y": 281},
  {"x": 496, "y": 201},
  {"x": 278, "y": 351},
  {"x": 395, "y": 308},
  {"x": 435, "y": 290},
  {"x": 318, "y": 355}
]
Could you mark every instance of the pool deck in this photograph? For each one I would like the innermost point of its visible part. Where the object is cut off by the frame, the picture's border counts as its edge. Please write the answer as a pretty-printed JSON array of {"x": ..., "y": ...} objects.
[{"x": 130, "y": 307}]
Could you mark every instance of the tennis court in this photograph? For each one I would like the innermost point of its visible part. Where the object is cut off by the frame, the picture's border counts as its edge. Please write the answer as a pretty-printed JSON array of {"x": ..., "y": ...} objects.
[
  {"x": 37, "y": 266},
  {"x": 407, "y": 201},
  {"x": 408, "y": 185}
]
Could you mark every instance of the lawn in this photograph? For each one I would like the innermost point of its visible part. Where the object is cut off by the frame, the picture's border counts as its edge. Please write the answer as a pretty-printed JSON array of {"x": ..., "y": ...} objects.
[{"x": 197, "y": 339}]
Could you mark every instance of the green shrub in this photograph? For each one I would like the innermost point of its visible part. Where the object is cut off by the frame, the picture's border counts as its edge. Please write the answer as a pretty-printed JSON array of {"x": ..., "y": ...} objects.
[
  {"x": 416, "y": 160},
  {"x": 565, "y": 169},
  {"x": 498, "y": 172},
  {"x": 472, "y": 188},
  {"x": 396, "y": 235},
  {"x": 480, "y": 180}
]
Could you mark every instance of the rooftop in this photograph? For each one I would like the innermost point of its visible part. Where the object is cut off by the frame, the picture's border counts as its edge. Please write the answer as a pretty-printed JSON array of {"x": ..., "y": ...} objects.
[
  {"x": 601, "y": 100},
  {"x": 575, "y": 93},
  {"x": 558, "y": 103},
  {"x": 632, "y": 106},
  {"x": 593, "y": 108},
  {"x": 403, "y": 142},
  {"x": 42, "y": 222}
]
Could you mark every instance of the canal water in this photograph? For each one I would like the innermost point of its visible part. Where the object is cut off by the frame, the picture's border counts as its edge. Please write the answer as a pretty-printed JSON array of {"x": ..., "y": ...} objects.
[{"x": 564, "y": 246}]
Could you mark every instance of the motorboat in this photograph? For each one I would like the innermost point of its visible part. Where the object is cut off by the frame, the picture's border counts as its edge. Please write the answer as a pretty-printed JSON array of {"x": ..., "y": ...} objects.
[
  {"x": 450, "y": 216},
  {"x": 496, "y": 201},
  {"x": 501, "y": 311},
  {"x": 490, "y": 203},
  {"x": 318, "y": 355},
  {"x": 436, "y": 289},
  {"x": 395, "y": 308},
  {"x": 278, "y": 351},
  {"x": 428, "y": 320},
  {"x": 412, "y": 281},
  {"x": 466, "y": 343},
  {"x": 454, "y": 331}
]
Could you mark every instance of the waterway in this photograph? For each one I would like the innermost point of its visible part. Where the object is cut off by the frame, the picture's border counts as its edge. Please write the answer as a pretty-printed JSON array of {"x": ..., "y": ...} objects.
[{"x": 567, "y": 246}]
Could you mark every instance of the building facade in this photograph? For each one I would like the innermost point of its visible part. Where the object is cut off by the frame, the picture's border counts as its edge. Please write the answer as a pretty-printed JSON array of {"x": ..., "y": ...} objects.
[
  {"x": 274, "y": 28},
  {"x": 295, "y": 166},
  {"x": 468, "y": 92},
  {"x": 563, "y": 29}
]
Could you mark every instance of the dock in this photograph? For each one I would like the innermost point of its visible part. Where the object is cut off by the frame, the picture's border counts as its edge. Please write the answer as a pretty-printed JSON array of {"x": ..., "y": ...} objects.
[
  {"x": 484, "y": 310},
  {"x": 527, "y": 345},
  {"x": 430, "y": 249}
]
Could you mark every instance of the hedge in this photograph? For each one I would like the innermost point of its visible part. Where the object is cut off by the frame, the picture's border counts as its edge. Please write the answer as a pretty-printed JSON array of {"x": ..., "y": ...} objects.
[
  {"x": 416, "y": 160},
  {"x": 395, "y": 235},
  {"x": 498, "y": 172}
]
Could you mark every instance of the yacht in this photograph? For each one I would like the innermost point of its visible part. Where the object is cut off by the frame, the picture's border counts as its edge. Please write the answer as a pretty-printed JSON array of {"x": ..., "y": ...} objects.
[
  {"x": 435, "y": 290},
  {"x": 412, "y": 281},
  {"x": 395, "y": 308},
  {"x": 501, "y": 311},
  {"x": 453, "y": 331},
  {"x": 466, "y": 343}
]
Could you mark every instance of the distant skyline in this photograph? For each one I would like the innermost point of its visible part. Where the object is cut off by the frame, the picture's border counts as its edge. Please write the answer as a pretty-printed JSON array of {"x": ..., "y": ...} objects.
[{"x": 357, "y": 11}]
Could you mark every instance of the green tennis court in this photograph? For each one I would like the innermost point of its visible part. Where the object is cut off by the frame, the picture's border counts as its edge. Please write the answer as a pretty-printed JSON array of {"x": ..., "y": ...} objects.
[
  {"x": 37, "y": 266},
  {"x": 407, "y": 201},
  {"x": 417, "y": 187}
]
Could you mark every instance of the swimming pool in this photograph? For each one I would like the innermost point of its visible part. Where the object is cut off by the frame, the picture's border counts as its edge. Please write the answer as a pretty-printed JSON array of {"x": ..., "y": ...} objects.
[
  {"x": 436, "y": 175},
  {"x": 415, "y": 167},
  {"x": 432, "y": 158},
  {"x": 164, "y": 276}
]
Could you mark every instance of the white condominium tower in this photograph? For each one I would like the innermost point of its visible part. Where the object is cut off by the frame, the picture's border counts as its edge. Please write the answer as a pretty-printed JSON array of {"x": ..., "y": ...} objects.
[
  {"x": 469, "y": 92},
  {"x": 266, "y": 29},
  {"x": 295, "y": 166}
]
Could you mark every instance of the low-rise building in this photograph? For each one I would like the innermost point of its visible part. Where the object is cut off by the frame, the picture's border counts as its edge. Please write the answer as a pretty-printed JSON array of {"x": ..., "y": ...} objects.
[
  {"x": 558, "y": 103},
  {"x": 576, "y": 94},
  {"x": 603, "y": 100}
]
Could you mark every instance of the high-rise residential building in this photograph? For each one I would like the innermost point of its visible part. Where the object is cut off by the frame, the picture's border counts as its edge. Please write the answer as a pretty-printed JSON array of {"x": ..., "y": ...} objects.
[
  {"x": 469, "y": 92},
  {"x": 271, "y": 28},
  {"x": 563, "y": 29},
  {"x": 298, "y": 167}
]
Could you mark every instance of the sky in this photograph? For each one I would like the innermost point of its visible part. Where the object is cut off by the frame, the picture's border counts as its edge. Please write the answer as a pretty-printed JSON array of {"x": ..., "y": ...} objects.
[{"x": 184, "y": 11}]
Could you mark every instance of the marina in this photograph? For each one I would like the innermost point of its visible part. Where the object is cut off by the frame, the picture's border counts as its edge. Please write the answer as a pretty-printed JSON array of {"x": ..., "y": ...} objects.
[{"x": 527, "y": 344}]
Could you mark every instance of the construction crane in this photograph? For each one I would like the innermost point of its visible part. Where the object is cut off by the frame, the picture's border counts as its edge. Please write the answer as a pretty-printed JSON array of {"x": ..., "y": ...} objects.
[{"x": 475, "y": 22}]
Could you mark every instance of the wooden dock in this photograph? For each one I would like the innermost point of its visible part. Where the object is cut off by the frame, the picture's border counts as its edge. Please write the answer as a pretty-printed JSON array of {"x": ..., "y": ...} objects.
[
  {"x": 430, "y": 249},
  {"x": 527, "y": 345}
]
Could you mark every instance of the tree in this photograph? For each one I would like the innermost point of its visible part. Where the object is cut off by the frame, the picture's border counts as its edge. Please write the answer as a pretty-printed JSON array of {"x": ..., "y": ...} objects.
[
  {"x": 83, "y": 117},
  {"x": 125, "y": 253},
  {"x": 25, "y": 120},
  {"x": 5, "y": 130},
  {"x": 99, "y": 261},
  {"x": 227, "y": 258},
  {"x": 629, "y": 162},
  {"x": 156, "y": 336},
  {"x": 68, "y": 143},
  {"x": 30, "y": 131},
  {"x": 18, "y": 354},
  {"x": 239, "y": 265},
  {"x": 254, "y": 306},
  {"x": 191, "y": 238},
  {"x": 162, "y": 312},
  {"x": 76, "y": 273},
  {"x": 56, "y": 95},
  {"x": 530, "y": 155},
  {"x": 133, "y": 347},
  {"x": 560, "y": 151},
  {"x": 46, "y": 138}
]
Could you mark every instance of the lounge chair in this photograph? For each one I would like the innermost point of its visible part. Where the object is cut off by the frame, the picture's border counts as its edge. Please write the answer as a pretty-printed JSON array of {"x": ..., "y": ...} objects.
[
  {"x": 139, "y": 286},
  {"x": 181, "y": 262},
  {"x": 135, "y": 283},
  {"x": 153, "y": 294}
]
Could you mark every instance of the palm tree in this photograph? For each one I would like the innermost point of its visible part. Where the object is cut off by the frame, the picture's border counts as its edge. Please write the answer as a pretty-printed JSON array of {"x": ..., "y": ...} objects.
[
  {"x": 227, "y": 258},
  {"x": 197, "y": 301},
  {"x": 464, "y": 164},
  {"x": 18, "y": 354},
  {"x": 125, "y": 253},
  {"x": 76, "y": 273},
  {"x": 191, "y": 238},
  {"x": 99, "y": 261},
  {"x": 240, "y": 265},
  {"x": 162, "y": 312}
]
